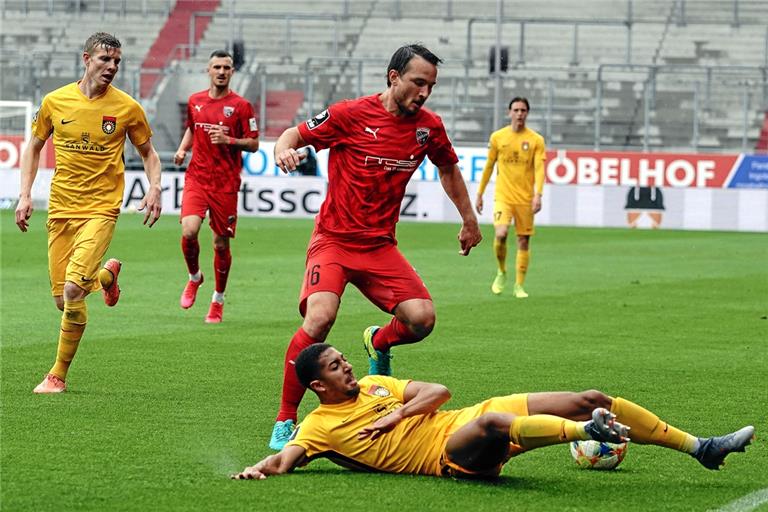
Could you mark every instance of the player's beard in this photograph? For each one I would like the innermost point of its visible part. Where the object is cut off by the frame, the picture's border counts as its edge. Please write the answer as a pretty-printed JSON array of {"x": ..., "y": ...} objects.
[
  {"x": 352, "y": 393},
  {"x": 403, "y": 110}
]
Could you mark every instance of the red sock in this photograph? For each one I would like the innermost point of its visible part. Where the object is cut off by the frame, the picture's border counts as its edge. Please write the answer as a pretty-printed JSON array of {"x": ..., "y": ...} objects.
[
  {"x": 191, "y": 250},
  {"x": 394, "y": 333},
  {"x": 293, "y": 391},
  {"x": 221, "y": 263}
]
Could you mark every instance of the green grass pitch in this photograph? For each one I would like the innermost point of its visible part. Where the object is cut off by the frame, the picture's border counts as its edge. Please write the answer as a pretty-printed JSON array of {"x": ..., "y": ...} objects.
[{"x": 162, "y": 407}]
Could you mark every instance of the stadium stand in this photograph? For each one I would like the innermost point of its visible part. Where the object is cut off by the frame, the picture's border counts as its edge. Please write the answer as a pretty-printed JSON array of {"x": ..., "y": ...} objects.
[{"x": 670, "y": 74}]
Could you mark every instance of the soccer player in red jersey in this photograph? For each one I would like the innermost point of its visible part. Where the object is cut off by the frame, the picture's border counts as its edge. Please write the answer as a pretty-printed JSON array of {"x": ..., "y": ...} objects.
[
  {"x": 220, "y": 125},
  {"x": 376, "y": 143}
]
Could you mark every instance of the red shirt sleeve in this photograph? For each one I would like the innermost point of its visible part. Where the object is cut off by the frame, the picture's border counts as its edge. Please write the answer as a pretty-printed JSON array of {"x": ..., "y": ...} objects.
[
  {"x": 247, "y": 121},
  {"x": 326, "y": 129},
  {"x": 440, "y": 150}
]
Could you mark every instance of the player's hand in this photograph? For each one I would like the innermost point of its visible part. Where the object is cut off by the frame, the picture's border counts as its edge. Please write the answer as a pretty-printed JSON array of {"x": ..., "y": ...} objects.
[
  {"x": 217, "y": 135},
  {"x": 469, "y": 236},
  {"x": 381, "y": 426},
  {"x": 179, "y": 157},
  {"x": 23, "y": 213},
  {"x": 288, "y": 159},
  {"x": 152, "y": 202},
  {"x": 479, "y": 204},
  {"x": 249, "y": 473},
  {"x": 536, "y": 203}
]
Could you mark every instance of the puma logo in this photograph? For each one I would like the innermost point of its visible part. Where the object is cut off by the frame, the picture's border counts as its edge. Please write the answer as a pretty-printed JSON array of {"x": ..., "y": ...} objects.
[{"x": 372, "y": 132}]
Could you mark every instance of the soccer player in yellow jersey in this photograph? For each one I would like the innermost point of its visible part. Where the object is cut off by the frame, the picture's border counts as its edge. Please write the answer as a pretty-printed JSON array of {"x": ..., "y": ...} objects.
[
  {"x": 390, "y": 425},
  {"x": 89, "y": 121},
  {"x": 519, "y": 155}
]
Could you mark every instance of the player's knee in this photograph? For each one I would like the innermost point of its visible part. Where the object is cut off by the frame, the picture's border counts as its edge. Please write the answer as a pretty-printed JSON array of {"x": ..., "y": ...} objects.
[
  {"x": 592, "y": 399},
  {"x": 73, "y": 292},
  {"x": 494, "y": 425},
  {"x": 318, "y": 322},
  {"x": 422, "y": 325}
]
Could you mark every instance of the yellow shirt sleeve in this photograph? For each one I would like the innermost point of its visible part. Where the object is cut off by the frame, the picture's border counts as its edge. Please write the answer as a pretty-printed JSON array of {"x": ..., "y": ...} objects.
[
  {"x": 139, "y": 130},
  {"x": 488, "y": 169},
  {"x": 42, "y": 126},
  {"x": 539, "y": 158}
]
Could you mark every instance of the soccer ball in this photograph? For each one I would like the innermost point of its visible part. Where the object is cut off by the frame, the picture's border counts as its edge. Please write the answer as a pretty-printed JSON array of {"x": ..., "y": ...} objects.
[{"x": 596, "y": 455}]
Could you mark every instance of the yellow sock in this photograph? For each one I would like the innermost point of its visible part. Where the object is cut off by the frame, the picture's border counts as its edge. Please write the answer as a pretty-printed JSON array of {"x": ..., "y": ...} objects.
[
  {"x": 105, "y": 278},
  {"x": 544, "y": 430},
  {"x": 500, "y": 250},
  {"x": 72, "y": 326},
  {"x": 521, "y": 266},
  {"x": 647, "y": 428}
]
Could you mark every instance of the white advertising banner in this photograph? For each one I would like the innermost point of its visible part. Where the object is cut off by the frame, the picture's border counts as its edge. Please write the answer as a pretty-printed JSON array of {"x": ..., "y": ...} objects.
[{"x": 698, "y": 192}]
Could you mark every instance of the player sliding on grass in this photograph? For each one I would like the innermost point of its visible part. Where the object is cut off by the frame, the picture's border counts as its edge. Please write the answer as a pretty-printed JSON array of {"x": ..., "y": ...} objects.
[
  {"x": 384, "y": 424},
  {"x": 376, "y": 143},
  {"x": 89, "y": 120},
  {"x": 220, "y": 126}
]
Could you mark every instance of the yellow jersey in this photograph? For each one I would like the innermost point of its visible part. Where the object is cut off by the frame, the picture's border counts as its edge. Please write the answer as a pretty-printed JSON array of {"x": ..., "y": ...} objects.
[
  {"x": 414, "y": 446},
  {"x": 89, "y": 139},
  {"x": 520, "y": 157}
]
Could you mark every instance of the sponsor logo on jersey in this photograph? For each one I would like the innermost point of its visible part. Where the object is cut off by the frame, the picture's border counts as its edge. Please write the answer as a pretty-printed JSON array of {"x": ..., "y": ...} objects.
[
  {"x": 526, "y": 145},
  {"x": 85, "y": 137},
  {"x": 198, "y": 107},
  {"x": 422, "y": 135},
  {"x": 252, "y": 124},
  {"x": 318, "y": 119},
  {"x": 228, "y": 111},
  {"x": 372, "y": 132},
  {"x": 391, "y": 164},
  {"x": 379, "y": 391},
  {"x": 67, "y": 121},
  {"x": 108, "y": 124}
]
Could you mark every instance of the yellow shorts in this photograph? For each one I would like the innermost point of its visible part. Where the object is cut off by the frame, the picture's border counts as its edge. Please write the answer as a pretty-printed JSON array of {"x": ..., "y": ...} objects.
[
  {"x": 75, "y": 250},
  {"x": 514, "y": 404},
  {"x": 503, "y": 213}
]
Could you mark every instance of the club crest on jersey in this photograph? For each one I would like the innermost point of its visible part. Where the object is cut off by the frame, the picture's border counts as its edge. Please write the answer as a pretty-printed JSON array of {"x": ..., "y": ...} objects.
[
  {"x": 525, "y": 145},
  {"x": 422, "y": 135},
  {"x": 228, "y": 111},
  {"x": 108, "y": 124},
  {"x": 318, "y": 119},
  {"x": 379, "y": 391}
]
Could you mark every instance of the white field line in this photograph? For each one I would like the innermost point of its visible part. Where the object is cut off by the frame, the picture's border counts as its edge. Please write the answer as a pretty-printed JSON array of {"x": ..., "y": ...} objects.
[{"x": 746, "y": 503}]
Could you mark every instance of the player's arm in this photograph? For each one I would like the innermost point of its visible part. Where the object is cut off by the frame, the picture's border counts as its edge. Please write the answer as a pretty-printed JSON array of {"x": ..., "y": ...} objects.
[
  {"x": 152, "y": 200},
  {"x": 454, "y": 186},
  {"x": 418, "y": 398},
  {"x": 286, "y": 156},
  {"x": 250, "y": 144},
  {"x": 184, "y": 146},
  {"x": 486, "y": 177},
  {"x": 538, "y": 177},
  {"x": 217, "y": 135},
  {"x": 283, "y": 462},
  {"x": 30, "y": 160}
]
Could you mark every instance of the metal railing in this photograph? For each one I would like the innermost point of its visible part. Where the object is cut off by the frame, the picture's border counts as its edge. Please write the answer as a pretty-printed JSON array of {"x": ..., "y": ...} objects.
[
  {"x": 79, "y": 7},
  {"x": 287, "y": 20}
]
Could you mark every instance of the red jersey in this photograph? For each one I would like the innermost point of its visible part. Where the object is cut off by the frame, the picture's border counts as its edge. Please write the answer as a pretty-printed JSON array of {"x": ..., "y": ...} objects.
[
  {"x": 372, "y": 157},
  {"x": 218, "y": 166}
]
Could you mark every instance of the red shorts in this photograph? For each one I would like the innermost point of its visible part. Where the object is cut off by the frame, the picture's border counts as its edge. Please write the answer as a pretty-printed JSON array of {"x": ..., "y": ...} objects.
[
  {"x": 382, "y": 274},
  {"x": 221, "y": 207}
]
